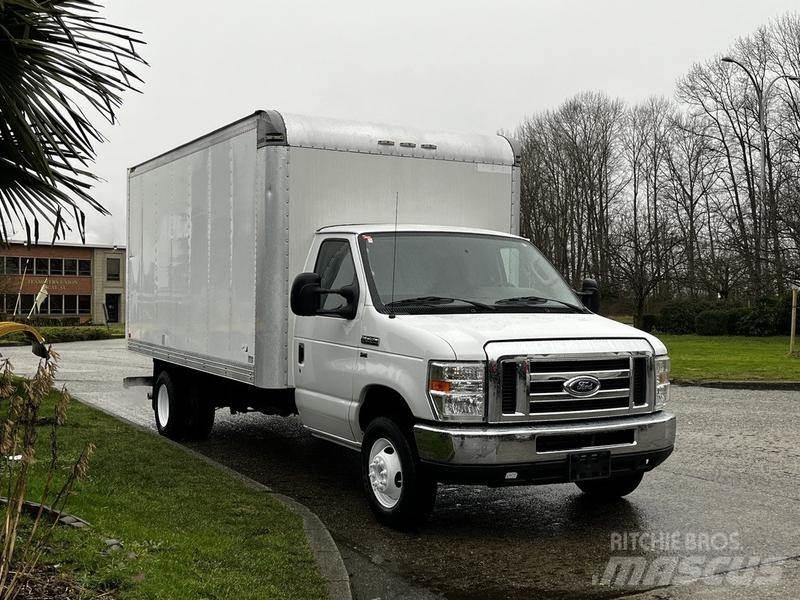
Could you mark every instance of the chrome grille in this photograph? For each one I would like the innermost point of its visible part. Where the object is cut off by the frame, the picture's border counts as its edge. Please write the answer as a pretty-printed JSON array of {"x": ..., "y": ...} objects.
[
  {"x": 530, "y": 387},
  {"x": 546, "y": 379}
]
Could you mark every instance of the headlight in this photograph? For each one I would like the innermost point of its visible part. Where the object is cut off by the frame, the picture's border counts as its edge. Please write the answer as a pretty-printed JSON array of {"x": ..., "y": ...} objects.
[
  {"x": 457, "y": 390},
  {"x": 662, "y": 382}
]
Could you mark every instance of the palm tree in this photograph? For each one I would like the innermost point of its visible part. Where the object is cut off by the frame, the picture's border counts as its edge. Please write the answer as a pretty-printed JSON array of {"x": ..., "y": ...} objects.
[{"x": 59, "y": 59}]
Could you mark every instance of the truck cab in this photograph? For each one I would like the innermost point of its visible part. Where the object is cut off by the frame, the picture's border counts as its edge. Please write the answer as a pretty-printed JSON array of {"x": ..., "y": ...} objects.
[{"x": 461, "y": 355}]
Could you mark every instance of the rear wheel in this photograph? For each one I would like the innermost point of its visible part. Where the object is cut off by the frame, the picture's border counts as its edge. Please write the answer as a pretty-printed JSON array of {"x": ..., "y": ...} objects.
[
  {"x": 611, "y": 488},
  {"x": 168, "y": 407},
  {"x": 202, "y": 421},
  {"x": 181, "y": 411},
  {"x": 399, "y": 494}
]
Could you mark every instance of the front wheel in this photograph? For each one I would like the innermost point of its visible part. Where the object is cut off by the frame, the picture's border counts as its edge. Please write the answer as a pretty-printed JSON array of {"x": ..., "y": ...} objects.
[
  {"x": 398, "y": 493},
  {"x": 609, "y": 489}
]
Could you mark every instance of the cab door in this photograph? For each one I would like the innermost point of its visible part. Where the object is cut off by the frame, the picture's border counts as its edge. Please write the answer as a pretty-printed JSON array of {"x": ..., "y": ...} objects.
[{"x": 327, "y": 346}]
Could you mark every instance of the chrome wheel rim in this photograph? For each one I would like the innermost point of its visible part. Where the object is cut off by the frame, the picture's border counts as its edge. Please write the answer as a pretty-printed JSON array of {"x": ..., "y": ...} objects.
[
  {"x": 385, "y": 473},
  {"x": 162, "y": 405}
]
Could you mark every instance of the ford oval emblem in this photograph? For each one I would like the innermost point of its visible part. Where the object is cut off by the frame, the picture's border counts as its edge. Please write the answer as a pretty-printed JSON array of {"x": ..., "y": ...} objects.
[{"x": 582, "y": 386}]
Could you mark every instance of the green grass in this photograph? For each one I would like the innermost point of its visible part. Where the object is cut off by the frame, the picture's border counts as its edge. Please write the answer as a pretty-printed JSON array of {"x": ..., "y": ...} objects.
[
  {"x": 189, "y": 530},
  {"x": 77, "y": 333},
  {"x": 731, "y": 358}
]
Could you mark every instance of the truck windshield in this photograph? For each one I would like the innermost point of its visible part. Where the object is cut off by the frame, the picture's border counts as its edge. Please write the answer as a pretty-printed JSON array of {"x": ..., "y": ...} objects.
[{"x": 422, "y": 272}]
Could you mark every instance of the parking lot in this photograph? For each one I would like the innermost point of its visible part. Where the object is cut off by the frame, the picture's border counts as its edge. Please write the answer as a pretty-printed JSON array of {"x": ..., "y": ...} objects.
[{"x": 729, "y": 495}]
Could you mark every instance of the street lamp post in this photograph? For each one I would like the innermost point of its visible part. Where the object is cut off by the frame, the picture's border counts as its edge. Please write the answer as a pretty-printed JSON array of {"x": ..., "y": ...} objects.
[{"x": 762, "y": 95}]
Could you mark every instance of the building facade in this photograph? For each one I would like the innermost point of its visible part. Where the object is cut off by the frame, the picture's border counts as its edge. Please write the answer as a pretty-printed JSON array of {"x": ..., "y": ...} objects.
[{"x": 83, "y": 281}]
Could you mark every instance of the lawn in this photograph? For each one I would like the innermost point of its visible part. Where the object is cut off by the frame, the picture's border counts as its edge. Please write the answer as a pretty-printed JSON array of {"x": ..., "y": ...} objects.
[
  {"x": 188, "y": 530},
  {"x": 730, "y": 358}
]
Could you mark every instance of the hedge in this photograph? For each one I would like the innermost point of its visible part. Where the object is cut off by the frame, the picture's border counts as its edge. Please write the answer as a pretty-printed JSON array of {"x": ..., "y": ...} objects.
[
  {"x": 55, "y": 335},
  {"x": 678, "y": 316},
  {"x": 768, "y": 316}
]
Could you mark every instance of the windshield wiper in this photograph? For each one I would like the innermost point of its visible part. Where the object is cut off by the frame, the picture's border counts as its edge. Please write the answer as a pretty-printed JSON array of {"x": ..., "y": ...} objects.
[
  {"x": 536, "y": 300},
  {"x": 435, "y": 300}
]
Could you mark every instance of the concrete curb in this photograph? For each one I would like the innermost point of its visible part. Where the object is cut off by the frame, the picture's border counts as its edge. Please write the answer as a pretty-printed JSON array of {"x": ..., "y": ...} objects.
[
  {"x": 740, "y": 385},
  {"x": 326, "y": 552}
]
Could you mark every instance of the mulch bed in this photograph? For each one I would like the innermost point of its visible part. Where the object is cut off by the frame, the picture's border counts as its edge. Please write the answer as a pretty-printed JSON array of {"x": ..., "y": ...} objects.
[{"x": 47, "y": 583}]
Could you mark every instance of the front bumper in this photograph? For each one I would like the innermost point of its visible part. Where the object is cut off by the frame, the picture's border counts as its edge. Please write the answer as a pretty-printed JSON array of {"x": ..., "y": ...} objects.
[{"x": 538, "y": 453}]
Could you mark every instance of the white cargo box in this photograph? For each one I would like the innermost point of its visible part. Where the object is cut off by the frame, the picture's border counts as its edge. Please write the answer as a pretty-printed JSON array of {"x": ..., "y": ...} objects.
[{"x": 219, "y": 227}]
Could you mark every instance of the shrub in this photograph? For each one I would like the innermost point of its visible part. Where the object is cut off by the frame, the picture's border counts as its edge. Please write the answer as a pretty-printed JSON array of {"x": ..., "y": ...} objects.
[
  {"x": 712, "y": 322},
  {"x": 56, "y": 335},
  {"x": 735, "y": 315},
  {"x": 649, "y": 323},
  {"x": 678, "y": 316},
  {"x": 760, "y": 321},
  {"x": 783, "y": 317},
  {"x": 20, "y": 418}
]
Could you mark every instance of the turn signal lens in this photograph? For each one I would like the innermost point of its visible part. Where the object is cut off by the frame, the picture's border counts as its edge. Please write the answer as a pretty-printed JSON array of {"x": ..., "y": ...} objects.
[{"x": 438, "y": 385}]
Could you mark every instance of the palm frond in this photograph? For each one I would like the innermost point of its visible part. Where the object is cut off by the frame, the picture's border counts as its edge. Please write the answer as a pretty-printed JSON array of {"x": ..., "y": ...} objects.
[{"x": 56, "y": 56}]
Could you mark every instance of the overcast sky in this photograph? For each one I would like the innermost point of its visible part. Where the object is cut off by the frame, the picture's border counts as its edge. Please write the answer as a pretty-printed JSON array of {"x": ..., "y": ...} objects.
[{"x": 457, "y": 65}]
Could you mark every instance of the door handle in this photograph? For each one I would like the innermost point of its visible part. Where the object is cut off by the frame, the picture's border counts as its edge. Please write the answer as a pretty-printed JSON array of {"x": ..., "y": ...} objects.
[
  {"x": 362, "y": 354},
  {"x": 301, "y": 353}
]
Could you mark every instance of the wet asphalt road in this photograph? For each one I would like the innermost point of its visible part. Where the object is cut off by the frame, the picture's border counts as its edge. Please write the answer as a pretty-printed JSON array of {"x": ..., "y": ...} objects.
[{"x": 733, "y": 479}]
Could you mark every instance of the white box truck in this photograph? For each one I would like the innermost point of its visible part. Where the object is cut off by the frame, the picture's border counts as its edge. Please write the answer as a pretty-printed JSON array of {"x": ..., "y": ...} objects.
[{"x": 371, "y": 279}]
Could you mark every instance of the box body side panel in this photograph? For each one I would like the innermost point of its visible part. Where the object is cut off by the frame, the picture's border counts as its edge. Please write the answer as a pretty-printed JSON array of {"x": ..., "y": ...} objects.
[{"x": 192, "y": 259}]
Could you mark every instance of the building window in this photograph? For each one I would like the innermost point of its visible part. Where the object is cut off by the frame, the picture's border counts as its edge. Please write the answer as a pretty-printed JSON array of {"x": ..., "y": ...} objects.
[
  {"x": 11, "y": 301},
  {"x": 84, "y": 305},
  {"x": 42, "y": 267},
  {"x": 84, "y": 267},
  {"x": 56, "y": 305},
  {"x": 112, "y": 269},
  {"x": 70, "y": 266},
  {"x": 12, "y": 265},
  {"x": 56, "y": 266},
  {"x": 112, "y": 307},
  {"x": 70, "y": 305},
  {"x": 27, "y": 303}
]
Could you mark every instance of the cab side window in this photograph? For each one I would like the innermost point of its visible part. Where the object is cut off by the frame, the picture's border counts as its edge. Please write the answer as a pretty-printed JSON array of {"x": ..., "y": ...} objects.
[{"x": 336, "y": 269}]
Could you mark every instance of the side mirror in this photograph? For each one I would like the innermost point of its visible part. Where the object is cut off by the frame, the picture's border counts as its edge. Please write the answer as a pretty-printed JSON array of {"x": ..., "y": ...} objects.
[
  {"x": 306, "y": 294},
  {"x": 590, "y": 295}
]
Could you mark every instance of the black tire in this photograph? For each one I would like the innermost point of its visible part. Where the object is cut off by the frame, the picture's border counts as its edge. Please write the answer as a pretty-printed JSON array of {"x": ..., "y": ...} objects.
[
  {"x": 188, "y": 415},
  {"x": 202, "y": 412},
  {"x": 169, "y": 407},
  {"x": 417, "y": 492},
  {"x": 612, "y": 488}
]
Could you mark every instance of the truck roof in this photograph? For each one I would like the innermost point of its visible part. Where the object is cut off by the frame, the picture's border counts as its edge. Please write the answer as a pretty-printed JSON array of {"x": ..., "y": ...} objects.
[
  {"x": 301, "y": 131},
  {"x": 358, "y": 228}
]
